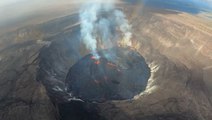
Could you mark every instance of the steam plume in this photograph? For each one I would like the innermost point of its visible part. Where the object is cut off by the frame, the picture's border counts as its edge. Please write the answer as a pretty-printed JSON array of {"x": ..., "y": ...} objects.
[
  {"x": 96, "y": 27},
  {"x": 88, "y": 16},
  {"x": 124, "y": 27}
]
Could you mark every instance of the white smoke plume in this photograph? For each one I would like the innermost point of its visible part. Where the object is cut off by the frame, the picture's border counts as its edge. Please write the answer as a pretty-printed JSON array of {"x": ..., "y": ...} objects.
[
  {"x": 88, "y": 16},
  {"x": 124, "y": 27},
  {"x": 94, "y": 27}
]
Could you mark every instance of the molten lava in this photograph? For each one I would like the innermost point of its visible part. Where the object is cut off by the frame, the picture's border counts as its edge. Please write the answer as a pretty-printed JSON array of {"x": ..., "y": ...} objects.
[{"x": 97, "y": 62}]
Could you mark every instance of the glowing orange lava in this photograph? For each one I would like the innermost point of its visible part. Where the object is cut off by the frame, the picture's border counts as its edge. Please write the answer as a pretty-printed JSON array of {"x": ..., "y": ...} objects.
[{"x": 97, "y": 62}]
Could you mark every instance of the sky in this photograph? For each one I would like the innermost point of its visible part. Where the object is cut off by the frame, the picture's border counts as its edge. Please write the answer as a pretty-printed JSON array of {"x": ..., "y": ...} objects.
[
  {"x": 6, "y": 2},
  {"x": 15, "y": 11},
  {"x": 9, "y": 2}
]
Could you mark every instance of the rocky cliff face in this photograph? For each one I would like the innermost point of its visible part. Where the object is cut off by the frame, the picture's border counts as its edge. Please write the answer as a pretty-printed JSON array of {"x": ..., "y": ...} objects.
[{"x": 176, "y": 46}]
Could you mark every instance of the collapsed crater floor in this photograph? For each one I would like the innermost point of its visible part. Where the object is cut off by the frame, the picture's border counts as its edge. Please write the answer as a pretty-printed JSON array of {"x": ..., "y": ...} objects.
[{"x": 119, "y": 73}]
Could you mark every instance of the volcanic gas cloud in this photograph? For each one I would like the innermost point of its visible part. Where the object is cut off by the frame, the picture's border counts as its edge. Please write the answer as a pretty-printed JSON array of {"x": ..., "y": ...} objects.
[{"x": 101, "y": 23}]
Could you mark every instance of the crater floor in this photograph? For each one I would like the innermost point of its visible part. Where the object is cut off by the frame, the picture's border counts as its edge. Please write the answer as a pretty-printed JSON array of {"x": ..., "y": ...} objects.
[{"x": 119, "y": 73}]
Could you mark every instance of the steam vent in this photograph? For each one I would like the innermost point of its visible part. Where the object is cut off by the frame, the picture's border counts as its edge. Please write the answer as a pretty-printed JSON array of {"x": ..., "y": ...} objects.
[{"x": 119, "y": 74}]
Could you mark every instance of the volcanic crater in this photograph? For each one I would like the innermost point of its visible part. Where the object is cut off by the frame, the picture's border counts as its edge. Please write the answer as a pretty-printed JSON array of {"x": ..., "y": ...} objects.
[{"x": 77, "y": 81}]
